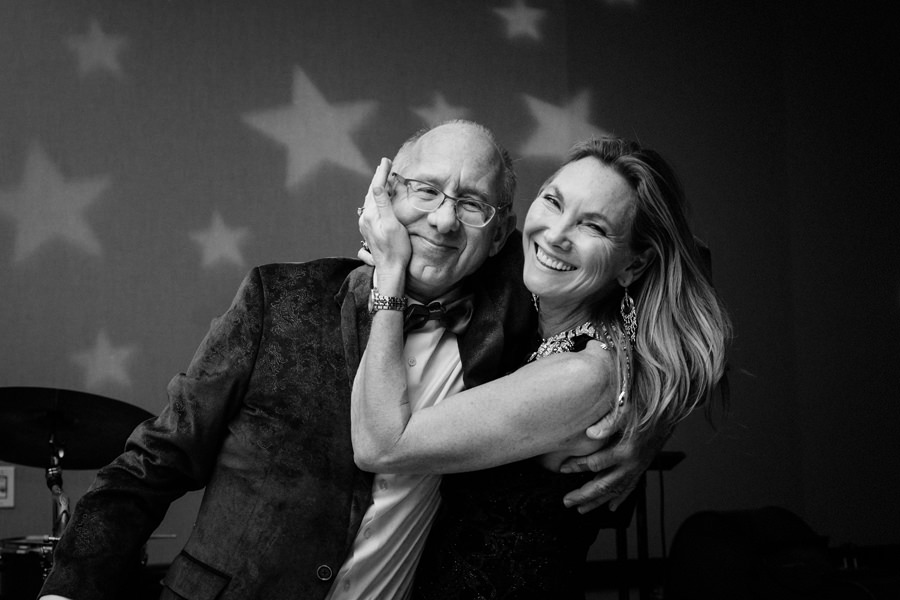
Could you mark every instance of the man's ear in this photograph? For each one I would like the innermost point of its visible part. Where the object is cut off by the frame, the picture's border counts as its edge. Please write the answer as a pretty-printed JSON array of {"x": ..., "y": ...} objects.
[
  {"x": 505, "y": 227},
  {"x": 639, "y": 264}
]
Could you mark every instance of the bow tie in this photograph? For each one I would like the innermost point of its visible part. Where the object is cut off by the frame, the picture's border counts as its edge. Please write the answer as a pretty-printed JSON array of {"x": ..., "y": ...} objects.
[{"x": 454, "y": 315}]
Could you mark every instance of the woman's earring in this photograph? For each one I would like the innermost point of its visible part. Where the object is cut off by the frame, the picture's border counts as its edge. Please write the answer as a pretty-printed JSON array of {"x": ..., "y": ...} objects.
[
  {"x": 629, "y": 316},
  {"x": 536, "y": 301}
]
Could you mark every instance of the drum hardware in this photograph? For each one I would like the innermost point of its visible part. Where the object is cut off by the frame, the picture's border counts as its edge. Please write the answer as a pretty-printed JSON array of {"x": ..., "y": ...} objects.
[
  {"x": 54, "y": 482},
  {"x": 25, "y": 563},
  {"x": 84, "y": 431},
  {"x": 91, "y": 428}
]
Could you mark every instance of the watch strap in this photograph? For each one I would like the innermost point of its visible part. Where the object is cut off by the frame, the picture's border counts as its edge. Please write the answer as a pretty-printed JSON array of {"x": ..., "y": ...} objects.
[{"x": 378, "y": 302}]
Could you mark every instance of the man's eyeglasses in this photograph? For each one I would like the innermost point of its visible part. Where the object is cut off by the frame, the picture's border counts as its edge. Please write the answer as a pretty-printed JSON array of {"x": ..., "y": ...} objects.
[{"x": 427, "y": 198}]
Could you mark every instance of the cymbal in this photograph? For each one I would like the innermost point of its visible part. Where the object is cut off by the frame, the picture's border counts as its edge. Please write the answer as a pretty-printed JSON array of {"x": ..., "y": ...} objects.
[{"x": 91, "y": 429}]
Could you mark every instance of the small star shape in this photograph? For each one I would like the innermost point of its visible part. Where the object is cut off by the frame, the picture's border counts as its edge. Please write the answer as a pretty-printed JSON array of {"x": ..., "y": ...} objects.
[
  {"x": 521, "y": 20},
  {"x": 220, "y": 243},
  {"x": 559, "y": 126},
  {"x": 440, "y": 111},
  {"x": 46, "y": 206},
  {"x": 105, "y": 363},
  {"x": 97, "y": 51},
  {"x": 313, "y": 130}
]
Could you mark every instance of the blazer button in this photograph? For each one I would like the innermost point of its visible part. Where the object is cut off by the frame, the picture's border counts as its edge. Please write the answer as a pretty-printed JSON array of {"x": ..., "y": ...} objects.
[{"x": 324, "y": 572}]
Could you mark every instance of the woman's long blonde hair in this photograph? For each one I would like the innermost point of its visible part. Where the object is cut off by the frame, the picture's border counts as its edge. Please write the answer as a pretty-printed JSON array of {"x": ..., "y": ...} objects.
[{"x": 682, "y": 326}]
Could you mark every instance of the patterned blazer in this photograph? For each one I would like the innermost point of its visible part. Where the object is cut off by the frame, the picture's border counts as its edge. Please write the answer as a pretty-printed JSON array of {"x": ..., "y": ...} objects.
[{"x": 261, "y": 419}]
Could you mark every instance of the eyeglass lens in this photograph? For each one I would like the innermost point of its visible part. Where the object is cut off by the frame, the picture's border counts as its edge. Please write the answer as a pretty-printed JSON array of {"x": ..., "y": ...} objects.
[{"x": 428, "y": 198}]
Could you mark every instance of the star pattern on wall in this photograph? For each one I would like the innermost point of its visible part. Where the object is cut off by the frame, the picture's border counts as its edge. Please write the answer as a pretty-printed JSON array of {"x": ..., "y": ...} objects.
[
  {"x": 439, "y": 111},
  {"x": 521, "y": 20},
  {"x": 313, "y": 130},
  {"x": 97, "y": 183},
  {"x": 48, "y": 207},
  {"x": 97, "y": 50},
  {"x": 105, "y": 363},
  {"x": 219, "y": 243},
  {"x": 559, "y": 126}
]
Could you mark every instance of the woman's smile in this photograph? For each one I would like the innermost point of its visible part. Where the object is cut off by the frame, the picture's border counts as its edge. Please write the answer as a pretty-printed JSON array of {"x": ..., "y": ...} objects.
[{"x": 551, "y": 263}]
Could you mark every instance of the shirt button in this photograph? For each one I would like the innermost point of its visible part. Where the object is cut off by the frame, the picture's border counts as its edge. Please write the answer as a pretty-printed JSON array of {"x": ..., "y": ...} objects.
[
  {"x": 367, "y": 533},
  {"x": 346, "y": 585},
  {"x": 411, "y": 362},
  {"x": 382, "y": 484},
  {"x": 324, "y": 572}
]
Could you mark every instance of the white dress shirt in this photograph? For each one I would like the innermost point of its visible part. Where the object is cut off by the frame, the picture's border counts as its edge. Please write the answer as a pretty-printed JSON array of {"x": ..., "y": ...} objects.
[{"x": 393, "y": 530}]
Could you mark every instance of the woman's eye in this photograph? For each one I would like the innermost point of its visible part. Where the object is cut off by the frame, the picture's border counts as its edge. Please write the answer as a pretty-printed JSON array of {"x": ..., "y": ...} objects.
[
  {"x": 595, "y": 228},
  {"x": 551, "y": 200}
]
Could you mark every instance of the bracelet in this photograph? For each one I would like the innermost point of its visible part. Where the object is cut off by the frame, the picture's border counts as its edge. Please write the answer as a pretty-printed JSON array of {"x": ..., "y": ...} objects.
[{"x": 378, "y": 302}]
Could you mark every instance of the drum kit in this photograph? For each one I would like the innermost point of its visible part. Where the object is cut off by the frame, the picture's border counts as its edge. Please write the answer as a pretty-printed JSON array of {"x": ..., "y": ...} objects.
[{"x": 51, "y": 429}]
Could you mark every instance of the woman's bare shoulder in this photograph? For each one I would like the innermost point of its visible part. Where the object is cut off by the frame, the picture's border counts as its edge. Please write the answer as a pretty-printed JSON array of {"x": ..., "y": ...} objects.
[{"x": 589, "y": 370}]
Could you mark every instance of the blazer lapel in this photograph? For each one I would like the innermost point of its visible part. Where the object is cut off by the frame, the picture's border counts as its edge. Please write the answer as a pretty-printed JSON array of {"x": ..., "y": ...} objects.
[
  {"x": 353, "y": 298},
  {"x": 481, "y": 346},
  {"x": 504, "y": 325}
]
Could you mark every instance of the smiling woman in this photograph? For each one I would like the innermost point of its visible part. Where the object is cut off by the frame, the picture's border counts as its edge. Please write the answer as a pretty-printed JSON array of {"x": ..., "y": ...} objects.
[
  {"x": 577, "y": 238},
  {"x": 631, "y": 327}
]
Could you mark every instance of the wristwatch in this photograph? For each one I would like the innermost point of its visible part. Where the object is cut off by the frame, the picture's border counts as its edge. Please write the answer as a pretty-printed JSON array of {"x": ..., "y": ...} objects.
[{"x": 378, "y": 302}]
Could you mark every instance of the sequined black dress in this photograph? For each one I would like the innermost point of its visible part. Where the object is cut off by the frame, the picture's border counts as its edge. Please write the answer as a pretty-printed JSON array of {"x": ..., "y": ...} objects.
[{"x": 504, "y": 533}]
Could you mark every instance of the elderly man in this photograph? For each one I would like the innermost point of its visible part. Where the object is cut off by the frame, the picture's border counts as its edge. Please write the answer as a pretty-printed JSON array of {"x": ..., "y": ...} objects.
[{"x": 261, "y": 417}]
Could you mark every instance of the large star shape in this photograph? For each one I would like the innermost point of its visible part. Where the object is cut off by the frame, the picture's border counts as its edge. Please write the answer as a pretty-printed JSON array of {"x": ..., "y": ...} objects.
[
  {"x": 46, "y": 206},
  {"x": 559, "y": 126},
  {"x": 521, "y": 20},
  {"x": 440, "y": 111},
  {"x": 220, "y": 243},
  {"x": 105, "y": 363},
  {"x": 313, "y": 130},
  {"x": 96, "y": 50}
]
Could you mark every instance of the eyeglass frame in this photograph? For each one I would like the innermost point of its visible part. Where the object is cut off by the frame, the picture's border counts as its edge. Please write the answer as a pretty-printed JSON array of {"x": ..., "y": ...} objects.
[{"x": 444, "y": 197}]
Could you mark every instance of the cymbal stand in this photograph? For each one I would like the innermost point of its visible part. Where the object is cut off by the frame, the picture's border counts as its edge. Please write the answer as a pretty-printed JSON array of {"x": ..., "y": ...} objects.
[{"x": 55, "y": 483}]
